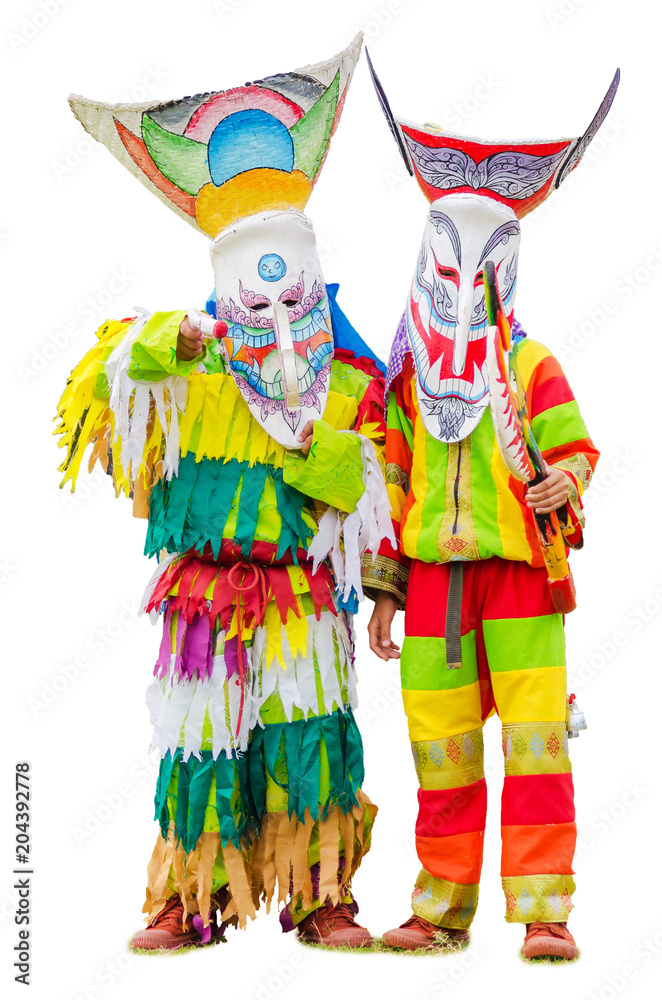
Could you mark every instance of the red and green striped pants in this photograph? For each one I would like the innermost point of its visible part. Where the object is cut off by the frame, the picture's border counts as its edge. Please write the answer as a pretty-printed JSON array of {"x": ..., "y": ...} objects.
[{"x": 513, "y": 660}]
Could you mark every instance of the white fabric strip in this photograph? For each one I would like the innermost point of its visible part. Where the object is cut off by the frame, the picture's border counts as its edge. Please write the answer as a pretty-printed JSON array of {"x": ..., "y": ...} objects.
[
  {"x": 130, "y": 404},
  {"x": 178, "y": 708}
]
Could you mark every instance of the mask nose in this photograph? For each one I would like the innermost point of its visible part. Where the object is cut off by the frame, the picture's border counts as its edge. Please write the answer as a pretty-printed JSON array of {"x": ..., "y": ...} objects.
[
  {"x": 465, "y": 304},
  {"x": 287, "y": 355}
]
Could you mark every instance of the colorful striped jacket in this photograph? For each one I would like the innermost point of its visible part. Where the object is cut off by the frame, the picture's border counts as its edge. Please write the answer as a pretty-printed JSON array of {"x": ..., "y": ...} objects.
[{"x": 458, "y": 501}]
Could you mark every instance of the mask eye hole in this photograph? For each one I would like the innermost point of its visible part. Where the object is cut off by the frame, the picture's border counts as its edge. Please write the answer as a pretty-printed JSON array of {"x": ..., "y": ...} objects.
[
  {"x": 449, "y": 273},
  {"x": 478, "y": 280},
  {"x": 259, "y": 306},
  {"x": 290, "y": 303}
]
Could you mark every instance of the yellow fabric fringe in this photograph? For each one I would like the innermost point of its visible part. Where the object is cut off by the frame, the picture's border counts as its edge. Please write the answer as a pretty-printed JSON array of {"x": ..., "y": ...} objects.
[
  {"x": 258, "y": 871},
  {"x": 216, "y": 423}
]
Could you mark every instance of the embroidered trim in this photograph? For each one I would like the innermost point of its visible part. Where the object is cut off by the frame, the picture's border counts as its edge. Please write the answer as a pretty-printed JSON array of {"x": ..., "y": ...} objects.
[
  {"x": 538, "y": 897},
  {"x": 451, "y": 762},
  {"x": 395, "y": 476},
  {"x": 444, "y": 903},
  {"x": 385, "y": 574},
  {"x": 536, "y": 748}
]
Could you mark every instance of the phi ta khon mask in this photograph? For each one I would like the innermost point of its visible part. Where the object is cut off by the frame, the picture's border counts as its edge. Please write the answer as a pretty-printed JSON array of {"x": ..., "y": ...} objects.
[
  {"x": 446, "y": 315},
  {"x": 271, "y": 292}
]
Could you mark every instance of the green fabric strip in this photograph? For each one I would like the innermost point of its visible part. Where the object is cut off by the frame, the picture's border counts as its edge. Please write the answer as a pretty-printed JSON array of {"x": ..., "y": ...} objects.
[
  {"x": 423, "y": 664},
  {"x": 252, "y": 487},
  {"x": 524, "y": 643},
  {"x": 433, "y": 500},
  {"x": 198, "y": 794},
  {"x": 192, "y": 510},
  {"x": 559, "y": 425},
  {"x": 397, "y": 420},
  {"x": 482, "y": 488},
  {"x": 294, "y": 530},
  {"x": 317, "y": 764}
]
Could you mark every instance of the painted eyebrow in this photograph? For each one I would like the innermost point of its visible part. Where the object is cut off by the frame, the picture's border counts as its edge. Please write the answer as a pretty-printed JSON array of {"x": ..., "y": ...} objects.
[
  {"x": 502, "y": 235},
  {"x": 442, "y": 223}
]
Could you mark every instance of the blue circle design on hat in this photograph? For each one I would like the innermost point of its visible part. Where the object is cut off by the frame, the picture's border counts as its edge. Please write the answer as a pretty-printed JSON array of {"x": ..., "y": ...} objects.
[{"x": 247, "y": 140}]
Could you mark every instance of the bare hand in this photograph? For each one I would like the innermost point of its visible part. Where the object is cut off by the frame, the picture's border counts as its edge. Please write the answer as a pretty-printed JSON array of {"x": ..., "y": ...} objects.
[
  {"x": 189, "y": 341},
  {"x": 306, "y": 436},
  {"x": 379, "y": 628},
  {"x": 551, "y": 493}
]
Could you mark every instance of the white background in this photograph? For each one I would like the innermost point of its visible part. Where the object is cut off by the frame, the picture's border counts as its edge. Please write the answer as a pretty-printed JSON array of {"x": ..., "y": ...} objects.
[{"x": 82, "y": 240}]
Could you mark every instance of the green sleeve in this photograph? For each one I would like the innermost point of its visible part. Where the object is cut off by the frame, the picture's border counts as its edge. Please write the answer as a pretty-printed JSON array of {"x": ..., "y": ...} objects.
[
  {"x": 153, "y": 354},
  {"x": 333, "y": 469}
]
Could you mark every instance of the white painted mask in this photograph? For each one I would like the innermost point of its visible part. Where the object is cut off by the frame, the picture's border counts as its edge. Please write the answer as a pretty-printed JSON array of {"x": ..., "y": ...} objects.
[
  {"x": 271, "y": 292},
  {"x": 446, "y": 315}
]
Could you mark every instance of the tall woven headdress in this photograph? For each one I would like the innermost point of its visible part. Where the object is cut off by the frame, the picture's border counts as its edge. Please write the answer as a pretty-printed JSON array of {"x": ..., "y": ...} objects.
[{"x": 217, "y": 158}]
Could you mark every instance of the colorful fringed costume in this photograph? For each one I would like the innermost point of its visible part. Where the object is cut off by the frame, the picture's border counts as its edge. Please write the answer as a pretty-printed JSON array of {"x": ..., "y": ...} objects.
[
  {"x": 481, "y": 629},
  {"x": 260, "y": 783}
]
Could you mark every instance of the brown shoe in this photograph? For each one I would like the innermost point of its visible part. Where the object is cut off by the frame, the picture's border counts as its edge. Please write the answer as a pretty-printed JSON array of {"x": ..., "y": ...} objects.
[
  {"x": 168, "y": 931},
  {"x": 333, "y": 927},
  {"x": 420, "y": 933},
  {"x": 549, "y": 941}
]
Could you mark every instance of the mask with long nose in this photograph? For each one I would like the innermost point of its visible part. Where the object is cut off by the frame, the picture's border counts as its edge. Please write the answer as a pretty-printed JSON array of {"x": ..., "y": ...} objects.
[
  {"x": 446, "y": 315},
  {"x": 271, "y": 292}
]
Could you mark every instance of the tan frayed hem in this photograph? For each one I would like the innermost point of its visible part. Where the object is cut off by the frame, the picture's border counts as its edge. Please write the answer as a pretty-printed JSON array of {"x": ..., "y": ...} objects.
[{"x": 278, "y": 860}]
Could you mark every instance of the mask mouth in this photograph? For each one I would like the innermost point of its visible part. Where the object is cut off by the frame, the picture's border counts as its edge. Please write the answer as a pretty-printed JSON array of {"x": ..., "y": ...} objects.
[
  {"x": 460, "y": 388},
  {"x": 274, "y": 388}
]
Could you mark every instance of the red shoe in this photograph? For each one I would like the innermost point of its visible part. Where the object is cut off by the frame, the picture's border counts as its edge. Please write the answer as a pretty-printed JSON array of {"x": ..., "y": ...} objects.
[
  {"x": 549, "y": 941},
  {"x": 333, "y": 927},
  {"x": 168, "y": 931},
  {"x": 420, "y": 933}
]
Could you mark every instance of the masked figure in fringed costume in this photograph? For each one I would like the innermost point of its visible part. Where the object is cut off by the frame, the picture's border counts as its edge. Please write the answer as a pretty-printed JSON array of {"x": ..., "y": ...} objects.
[
  {"x": 244, "y": 436},
  {"x": 486, "y": 459}
]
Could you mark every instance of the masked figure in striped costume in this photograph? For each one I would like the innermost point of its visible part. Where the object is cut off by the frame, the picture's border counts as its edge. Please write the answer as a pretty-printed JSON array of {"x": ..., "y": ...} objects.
[
  {"x": 245, "y": 436},
  {"x": 483, "y": 625}
]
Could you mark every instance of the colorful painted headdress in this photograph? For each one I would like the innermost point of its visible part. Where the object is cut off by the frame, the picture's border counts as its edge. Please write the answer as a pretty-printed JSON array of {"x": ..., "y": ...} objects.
[
  {"x": 240, "y": 165},
  {"x": 217, "y": 158},
  {"x": 478, "y": 191}
]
